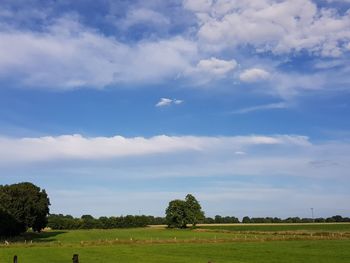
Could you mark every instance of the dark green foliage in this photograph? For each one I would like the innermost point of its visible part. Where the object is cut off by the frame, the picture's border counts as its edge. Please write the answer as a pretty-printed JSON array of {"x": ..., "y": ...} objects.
[
  {"x": 182, "y": 212},
  {"x": 337, "y": 219},
  {"x": 176, "y": 214},
  {"x": 208, "y": 220},
  {"x": 60, "y": 222},
  {"x": 89, "y": 222},
  {"x": 22, "y": 206},
  {"x": 194, "y": 211},
  {"x": 291, "y": 220},
  {"x": 246, "y": 220},
  {"x": 63, "y": 222},
  {"x": 225, "y": 220},
  {"x": 9, "y": 226}
]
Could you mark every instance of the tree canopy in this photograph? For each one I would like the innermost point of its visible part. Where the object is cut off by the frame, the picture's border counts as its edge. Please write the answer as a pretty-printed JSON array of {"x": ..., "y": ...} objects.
[
  {"x": 179, "y": 213},
  {"x": 22, "y": 206}
]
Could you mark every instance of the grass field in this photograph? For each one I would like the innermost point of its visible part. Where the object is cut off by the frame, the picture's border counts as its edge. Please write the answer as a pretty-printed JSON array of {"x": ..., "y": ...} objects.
[
  {"x": 252, "y": 243},
  {"x": 330, "y": 227}
]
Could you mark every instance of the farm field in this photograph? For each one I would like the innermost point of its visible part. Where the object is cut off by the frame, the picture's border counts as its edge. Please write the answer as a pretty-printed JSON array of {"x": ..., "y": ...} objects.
[
  {"x": 216, "y": 244},
  {"x": 326, "y": 227}
]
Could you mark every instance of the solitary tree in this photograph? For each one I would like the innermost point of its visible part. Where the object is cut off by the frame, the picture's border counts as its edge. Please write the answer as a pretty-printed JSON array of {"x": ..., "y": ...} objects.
[
  {"x": 194, "y": 211},
  {"x": 182, "y": 212},
  {"x": 23, "y": 206},
  {"x": 176, "y": 214}
]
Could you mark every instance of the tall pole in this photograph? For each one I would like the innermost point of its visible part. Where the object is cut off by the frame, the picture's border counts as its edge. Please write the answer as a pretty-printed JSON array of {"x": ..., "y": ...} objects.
[{"x": 312, "y": 213}]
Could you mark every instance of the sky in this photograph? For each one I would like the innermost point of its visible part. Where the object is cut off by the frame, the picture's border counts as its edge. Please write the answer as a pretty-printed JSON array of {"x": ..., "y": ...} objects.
[{"x": 118, "y": 107}]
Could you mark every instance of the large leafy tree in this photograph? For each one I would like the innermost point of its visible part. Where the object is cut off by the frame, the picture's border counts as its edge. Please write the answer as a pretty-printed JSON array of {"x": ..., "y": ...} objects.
[
  {"x": 194, "y": 211},
  {"x": 182, "y": 212},
  {"x": 22, "y": 206},
  {"x": 176, "y": 214}
]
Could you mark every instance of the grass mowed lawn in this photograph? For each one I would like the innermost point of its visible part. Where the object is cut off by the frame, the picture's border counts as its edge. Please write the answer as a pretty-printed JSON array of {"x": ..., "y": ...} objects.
[{"x": 164, "y": 245}]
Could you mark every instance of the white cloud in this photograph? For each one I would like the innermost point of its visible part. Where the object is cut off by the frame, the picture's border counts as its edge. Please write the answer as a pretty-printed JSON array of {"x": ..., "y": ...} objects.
[
  {"x": 272, "y": 26},
  {"x": 254, "y": 75},
  {"x": 212, "y": 69},
  {"x": 167, "y": 102},
  {"x": 279, "y": 105},
  {"x": 67, "y": 55},
  {"x": 177, "y": 102},
  {"x": 164, "y": 102},
  {"x": 143, "y": 15},
  {"x": 216, "y": 66},
  {"x": 79, "y": 147},
  {"x": 288, "y": 85}
]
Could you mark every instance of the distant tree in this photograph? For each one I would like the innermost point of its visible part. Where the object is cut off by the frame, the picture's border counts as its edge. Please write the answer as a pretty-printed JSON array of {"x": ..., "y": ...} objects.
[
  {"x": 246, "y": 220},
  {"x": 209, "y": 220},
  {"x": 105, "y": 222},
  {"x": 338, "y": 218},
  {"x": 87, "y": 217},
  {"x": 182, "y": 212},
  {"x": 277, "y": 220},
  {"x": 24, "y": 206},
  {"x": 89, "y": 222},
  {"x": 218, "y": 219}
]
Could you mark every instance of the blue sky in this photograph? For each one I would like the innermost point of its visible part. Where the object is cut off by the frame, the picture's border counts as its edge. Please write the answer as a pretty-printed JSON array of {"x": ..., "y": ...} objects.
[{"x": 118, "y": 107}]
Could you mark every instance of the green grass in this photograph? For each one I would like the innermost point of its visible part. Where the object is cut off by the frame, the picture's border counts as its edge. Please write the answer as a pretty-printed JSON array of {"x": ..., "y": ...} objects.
[
  {"x": 340, "y": 227},
  {"x": 282, "y": 251},
  {"x": 141, "y": 234},
  {"x": 159, "y": 245}
]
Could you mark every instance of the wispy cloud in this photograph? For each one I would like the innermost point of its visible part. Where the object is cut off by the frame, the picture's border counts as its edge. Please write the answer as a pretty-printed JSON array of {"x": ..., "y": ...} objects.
[
  {"x": 167, "y": 102},
  {"x": 79, "y": 147},
  {"x": 254, "y": 75},
  {"x": 177, "y": 102},
  {"x": 217, "y": 67},
  {"x": 271, "y": 106},
  {"x": 164, "y": 102},
  {"x": 143, "y": 16},
  {"x": 69, "y": 55}
]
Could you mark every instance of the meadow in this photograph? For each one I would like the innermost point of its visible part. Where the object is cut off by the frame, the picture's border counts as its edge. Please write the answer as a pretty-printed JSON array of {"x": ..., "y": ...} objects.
[{"x": 223, "y": 243}]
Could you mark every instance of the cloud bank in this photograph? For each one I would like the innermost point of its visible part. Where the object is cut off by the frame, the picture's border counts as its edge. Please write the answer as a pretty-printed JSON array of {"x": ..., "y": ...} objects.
[
  {"x": 68, "y": 55},
  {"x": 46, "y": 47},
  {"x": 79, "y": 147},
  {"x": 280, "y": 27}
]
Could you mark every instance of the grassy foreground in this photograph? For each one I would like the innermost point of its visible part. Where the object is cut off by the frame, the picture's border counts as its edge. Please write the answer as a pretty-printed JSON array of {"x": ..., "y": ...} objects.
[{"x": 199, "y": 245}]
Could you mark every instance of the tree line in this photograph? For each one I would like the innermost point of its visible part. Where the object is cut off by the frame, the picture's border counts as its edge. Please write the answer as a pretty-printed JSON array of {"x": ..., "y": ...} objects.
[
  {"x": 60, "y": 222},
  {"x": 89, "y": 222},
  {"x": 290, "y": 220},
  {"x": 25, "y": 206}
]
